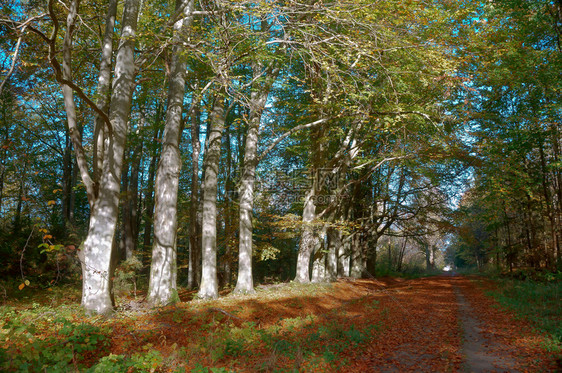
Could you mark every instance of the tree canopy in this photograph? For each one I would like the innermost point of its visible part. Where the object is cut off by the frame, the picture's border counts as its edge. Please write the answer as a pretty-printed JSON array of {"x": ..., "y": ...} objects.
[{"x": 211, "y": 143}]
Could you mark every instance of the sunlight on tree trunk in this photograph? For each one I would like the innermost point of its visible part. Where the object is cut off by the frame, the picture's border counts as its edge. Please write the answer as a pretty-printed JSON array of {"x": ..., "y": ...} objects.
[
  {"x": 163, "y": 271},
  {"x": 209, "y": 284},
  {"x": 96, "y": 296},
  {"x": 308, "y": 238}
]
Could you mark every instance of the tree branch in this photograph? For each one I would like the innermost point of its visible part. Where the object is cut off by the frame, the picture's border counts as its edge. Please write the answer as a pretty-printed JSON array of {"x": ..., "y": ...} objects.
[
  {"x": 14, "y": 58},
  {"x": 287, "y": 134}
]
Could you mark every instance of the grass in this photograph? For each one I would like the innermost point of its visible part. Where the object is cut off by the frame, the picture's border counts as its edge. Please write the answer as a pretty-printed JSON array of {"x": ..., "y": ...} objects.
[
  {"x": 538, "y": 302},
  {"x": 40, "y": 330}
]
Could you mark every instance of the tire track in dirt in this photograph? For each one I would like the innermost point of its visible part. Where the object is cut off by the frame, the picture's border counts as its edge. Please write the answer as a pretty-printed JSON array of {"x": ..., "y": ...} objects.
[
  {"x": 447, "y": 324},
  {"x": 495, "y": 340},
  {"x": 479, "y": 350},
  {"x": 422, "y": 332}
]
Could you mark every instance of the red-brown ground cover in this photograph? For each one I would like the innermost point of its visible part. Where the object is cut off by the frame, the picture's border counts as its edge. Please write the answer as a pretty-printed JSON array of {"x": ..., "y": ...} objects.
[{"x": 383, "y": 325}]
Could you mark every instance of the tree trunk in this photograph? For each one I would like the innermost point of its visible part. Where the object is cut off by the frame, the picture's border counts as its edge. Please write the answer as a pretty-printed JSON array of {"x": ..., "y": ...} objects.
[
  {"x": 334, "y": 249},
  {"x": 98, "y": 247},
  {"x": 133, "y": 201},
  {"x": 194, "y": 226},
  {"x": 344, "y": 257},
  {"x": 245, "y": 282},
  {"x": 67, "y": 163},
  {"x": 258, "y": 99},
  {"x": 320, "y": 261},
  {"x": 358, "y": 259},
  {"x": 72, "y": 199},
  {"x": 400, "y": 257},
  {"x": 229, "y": 231},
  {"x": 128, "y": 244},
  {"x": 21, "y": 195},
  {"x": 549, "y": 254},
  {"x": 308, "y": 238},
  {"x": 104, "y": 82},
  {"x": 427, "y": 253},
  {"x": 125, "y": 212},
  {"x": 209, "y": 284},
  {"x": 149, "y": 194},
  {"x": 557, "y": 190},
  {"x": 163, "y": 269}
]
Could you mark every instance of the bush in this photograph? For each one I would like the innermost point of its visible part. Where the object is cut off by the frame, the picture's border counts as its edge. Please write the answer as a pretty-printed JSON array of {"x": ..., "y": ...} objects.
[{"x": 125, "y": 280}]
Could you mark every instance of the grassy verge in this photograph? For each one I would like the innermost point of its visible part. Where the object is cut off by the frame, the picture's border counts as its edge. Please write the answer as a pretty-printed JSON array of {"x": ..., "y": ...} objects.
[
  {"x": 41, "y": 332},
  {"x": 538, "y": 302}
]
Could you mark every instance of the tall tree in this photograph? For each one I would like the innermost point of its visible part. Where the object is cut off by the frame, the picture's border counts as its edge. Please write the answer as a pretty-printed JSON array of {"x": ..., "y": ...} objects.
[{"x": 163, "y": 271}]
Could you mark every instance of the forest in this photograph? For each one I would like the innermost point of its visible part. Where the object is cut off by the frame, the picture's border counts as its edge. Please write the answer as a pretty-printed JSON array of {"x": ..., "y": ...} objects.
[{"x": 252, "y": 181}]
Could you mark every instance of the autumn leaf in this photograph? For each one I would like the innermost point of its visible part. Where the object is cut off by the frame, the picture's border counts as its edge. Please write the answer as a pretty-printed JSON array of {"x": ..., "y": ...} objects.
[{"x": 22, "y": 285}]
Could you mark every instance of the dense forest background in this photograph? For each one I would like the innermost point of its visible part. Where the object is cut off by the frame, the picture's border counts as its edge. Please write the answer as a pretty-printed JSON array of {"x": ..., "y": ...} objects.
[{"x": 209, "y": 144}]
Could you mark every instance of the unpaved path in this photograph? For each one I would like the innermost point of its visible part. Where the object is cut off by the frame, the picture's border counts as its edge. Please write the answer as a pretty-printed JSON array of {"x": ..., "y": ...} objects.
[
  {"x": 447, "y": 324},
  {"x": 479, "y": 350},
  {"x": 434, "y": 324}
]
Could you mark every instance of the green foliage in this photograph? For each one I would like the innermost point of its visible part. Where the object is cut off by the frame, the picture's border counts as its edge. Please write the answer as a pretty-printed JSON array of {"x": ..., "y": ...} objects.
[
  {"x": 201, "y": 369},
  {"x": 138, "y": 363},
  {"x": 125, "y": 280},
  {"x": 27, "y": 350}
]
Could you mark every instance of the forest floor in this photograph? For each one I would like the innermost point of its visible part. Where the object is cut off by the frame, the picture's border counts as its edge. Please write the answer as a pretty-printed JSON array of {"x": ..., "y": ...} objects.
[{"x": 432, "y": 324}]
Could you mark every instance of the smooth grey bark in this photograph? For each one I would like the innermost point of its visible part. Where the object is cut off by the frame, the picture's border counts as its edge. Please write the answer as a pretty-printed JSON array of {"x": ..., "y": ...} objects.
[
  {"x": 194, "y": 226},
  {"x": 104, "y": 84},
  {"x": 358, "y": 259},
  {"x": 320, "y": 261},
  {"x": 308, "y": 238},
  {"x": 70, "y": 105},
  {"x": 258, "y": 99},
  {"x": 344, "y": 257},
  {"x": 163, "y": 269},
  {"x": 334, "y": 247},
  {"x": 14, "y": 59},
  {"x": 209, "y": 288},
  {"x": 98, "y": 247},
  {"x": 67, "y": 163}
]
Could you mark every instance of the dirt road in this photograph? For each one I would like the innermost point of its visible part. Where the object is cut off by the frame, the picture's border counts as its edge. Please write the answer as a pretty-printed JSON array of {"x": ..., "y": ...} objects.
[
  {"x": 434, "y": 324},
  {"x": 446, "y": 323}
]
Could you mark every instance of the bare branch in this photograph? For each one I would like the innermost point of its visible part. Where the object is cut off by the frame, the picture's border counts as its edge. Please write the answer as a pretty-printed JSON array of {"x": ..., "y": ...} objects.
[
  {"x": 14, "y": 58},
  {"x": 287, "y": 134}
]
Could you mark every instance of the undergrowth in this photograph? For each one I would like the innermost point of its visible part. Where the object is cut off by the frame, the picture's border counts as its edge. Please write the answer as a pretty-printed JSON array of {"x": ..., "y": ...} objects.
[{"x": 49, "y": 335}]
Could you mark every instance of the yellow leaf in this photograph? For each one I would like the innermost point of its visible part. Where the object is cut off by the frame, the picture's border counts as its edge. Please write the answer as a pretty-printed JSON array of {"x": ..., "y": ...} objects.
[
  {"x": 47, "y": 237},
  {"x": 26, "y": 282},
  {"x": 21, "y": 286},
  {"x": 51, "y": 202}
]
